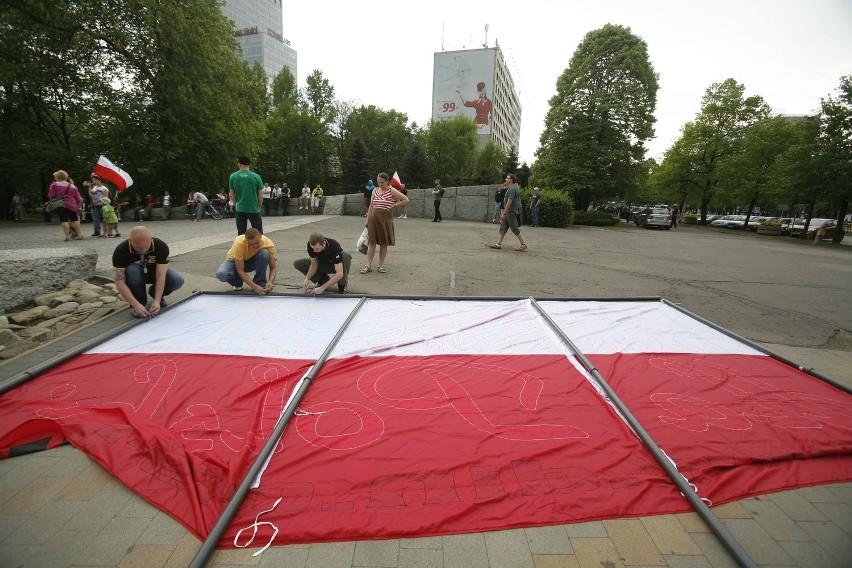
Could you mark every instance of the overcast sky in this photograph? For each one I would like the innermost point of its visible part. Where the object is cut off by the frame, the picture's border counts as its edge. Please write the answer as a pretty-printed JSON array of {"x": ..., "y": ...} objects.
[{"x": 378, "y": 52}]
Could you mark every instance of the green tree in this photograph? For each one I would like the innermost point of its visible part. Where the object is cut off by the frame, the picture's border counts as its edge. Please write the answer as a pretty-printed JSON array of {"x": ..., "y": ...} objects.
[
  {"x": 451, "y": 147},
  {"x": 747, "y": 177},
  {"x": 835, "y": 150},
  {"x": 416, "y": 166},
  {"x": 692, "y": 163},
  {"x": 386, "y": 135},
  {"x": 356, "y": 167},
  {"x": 600, "y": 118},
  {"x": 511, "y": 165},
  {"x": 491, "y": 164},
  {"x": 154, "y": 84}
]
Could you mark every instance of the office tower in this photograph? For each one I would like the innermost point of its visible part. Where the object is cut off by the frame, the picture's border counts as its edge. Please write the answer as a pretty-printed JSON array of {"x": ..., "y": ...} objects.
[{"x": 258, "y": 27}]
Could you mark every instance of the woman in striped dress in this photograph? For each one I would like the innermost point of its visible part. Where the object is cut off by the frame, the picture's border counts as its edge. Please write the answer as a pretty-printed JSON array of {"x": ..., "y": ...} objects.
[{"x": 380, "y": 221}]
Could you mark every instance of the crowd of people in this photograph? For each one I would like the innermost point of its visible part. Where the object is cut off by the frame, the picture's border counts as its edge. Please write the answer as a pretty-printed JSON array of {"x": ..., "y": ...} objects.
[{"x": 141, "y": 263}]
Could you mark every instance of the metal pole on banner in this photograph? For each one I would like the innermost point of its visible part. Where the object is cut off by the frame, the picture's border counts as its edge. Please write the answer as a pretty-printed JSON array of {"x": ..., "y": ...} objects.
[
  {"x": 686, "y": 490},
  {"x": 209, "y": 545},
  {"x": 729, "y": 333}
]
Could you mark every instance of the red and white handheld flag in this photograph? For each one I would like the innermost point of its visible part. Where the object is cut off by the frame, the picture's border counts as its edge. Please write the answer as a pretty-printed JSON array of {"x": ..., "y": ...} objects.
[
  {"x": 112, "y": 173},
  {"x": 395, "y": 181}
]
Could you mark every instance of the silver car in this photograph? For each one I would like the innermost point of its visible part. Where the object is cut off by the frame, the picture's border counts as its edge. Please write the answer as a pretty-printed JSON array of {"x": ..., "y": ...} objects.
[{"x": 658, "y": 217}]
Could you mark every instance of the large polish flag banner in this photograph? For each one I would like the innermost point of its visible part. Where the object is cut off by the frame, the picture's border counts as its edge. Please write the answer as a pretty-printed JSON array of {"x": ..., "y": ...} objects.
[{"x": 430, "y": 417}]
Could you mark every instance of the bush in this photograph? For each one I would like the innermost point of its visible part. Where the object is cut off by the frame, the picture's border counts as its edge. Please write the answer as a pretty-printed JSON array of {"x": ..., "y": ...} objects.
[
  {"x": 770, "y": 223},
  {"x": 555, "y": 209},
  {"x": 595, "y": 218},
  {"x": 690, "y": 219}
]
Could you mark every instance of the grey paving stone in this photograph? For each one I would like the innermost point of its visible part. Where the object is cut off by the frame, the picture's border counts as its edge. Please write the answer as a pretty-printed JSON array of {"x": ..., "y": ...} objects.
[
  {"x": 425, "y": 542},
  {"x": 757, "y": 543},
  {"x": 843, "y": 492},
  {"x": 40, "y": 528},
  {"x": 17, "y": 473},
  {"x": 331, "y": 555},
  {"x": 833, "y": 540},
  {"x": 548, "y": 540},
  {"x": 774, "y": 520},
  {"x": 16, "y": 555},
  {"x": 819, "y": 494},
  {"x": 681, "y": 561},
  {"x": 164, "y": 530},
  {"x": 70, "y": 462},
  {"x": 838, "y": 513},
  {"x": 8, "y": 525},
  {"x": 99, "y": 511},
  {"x": 376, "y": 553},
  {"x": 111, "y": 543},
  {"x": 508, "y": 549},
  {"x": 467, "y": 550},
  {"x": 61, "y": 550},
  {"x": 714, "y": 551},
  {"x": 136, "y": 506},
  {"x": 593, "y": 529},
  {"x": 796, "y": 506},
  {"x": 281, "y": 556},
  {"x": 811, "y": 555},
  {"x": 421, "y": 558}
]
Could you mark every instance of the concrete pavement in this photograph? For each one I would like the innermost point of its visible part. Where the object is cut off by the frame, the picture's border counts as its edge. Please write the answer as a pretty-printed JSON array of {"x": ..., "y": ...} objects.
[{"x": 59, "y": 508}]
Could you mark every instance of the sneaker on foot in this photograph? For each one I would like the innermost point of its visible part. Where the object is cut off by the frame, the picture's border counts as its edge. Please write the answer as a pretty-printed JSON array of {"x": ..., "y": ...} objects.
[
  {"x": 163, "y": 304},
  {"x": 341, "y": 289},
  {"x": 237, "y": 288}
]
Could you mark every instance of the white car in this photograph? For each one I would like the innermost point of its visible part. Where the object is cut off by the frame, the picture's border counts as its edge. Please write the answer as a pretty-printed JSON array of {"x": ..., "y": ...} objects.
[
  {"x": 797, "y": 228},
  {"x": 723, "y": 221}
]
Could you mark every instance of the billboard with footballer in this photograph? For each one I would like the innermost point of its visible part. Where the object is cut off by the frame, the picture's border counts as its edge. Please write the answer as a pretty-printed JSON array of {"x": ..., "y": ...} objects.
[{"x": 463, "y": 85}]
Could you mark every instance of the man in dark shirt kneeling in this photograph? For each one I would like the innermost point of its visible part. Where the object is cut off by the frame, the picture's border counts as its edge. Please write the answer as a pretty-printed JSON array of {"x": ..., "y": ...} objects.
[{"x": 325, "y": 257}]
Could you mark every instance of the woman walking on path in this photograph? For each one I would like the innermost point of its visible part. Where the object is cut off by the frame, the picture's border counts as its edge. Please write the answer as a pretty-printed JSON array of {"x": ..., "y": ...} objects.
[
  {"x": 63, "y": 187},
  {"x": 380, "y": 221}
]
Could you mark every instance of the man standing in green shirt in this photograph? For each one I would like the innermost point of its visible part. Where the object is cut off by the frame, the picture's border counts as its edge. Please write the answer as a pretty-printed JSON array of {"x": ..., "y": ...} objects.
[{"x": 245, "y": 189}]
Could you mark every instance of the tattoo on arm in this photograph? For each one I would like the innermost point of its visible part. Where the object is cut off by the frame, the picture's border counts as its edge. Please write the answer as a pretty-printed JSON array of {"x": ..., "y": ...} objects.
[{"x": 117, "y": 275}]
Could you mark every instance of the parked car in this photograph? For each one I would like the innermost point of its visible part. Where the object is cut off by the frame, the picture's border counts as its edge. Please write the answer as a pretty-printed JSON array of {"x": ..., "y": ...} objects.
[
  {"x": 724, "y": 220},
  {"x": 829, "y": 227},
  {"x": 786, "y": 223},
  {"x": 798, "y": 227},
  {"x": 755, "y": 221},
  {"x": 658, "y": 217}
]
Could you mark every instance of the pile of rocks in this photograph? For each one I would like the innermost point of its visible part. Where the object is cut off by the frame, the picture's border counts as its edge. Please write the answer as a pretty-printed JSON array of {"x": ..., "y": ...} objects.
[{"x": 56, "y": 314}]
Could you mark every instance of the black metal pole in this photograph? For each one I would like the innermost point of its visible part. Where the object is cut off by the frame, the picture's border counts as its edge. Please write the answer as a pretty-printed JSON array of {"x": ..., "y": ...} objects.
[
  {"x": 209, "y": 545},
  {"x": 686, "y": 490}
]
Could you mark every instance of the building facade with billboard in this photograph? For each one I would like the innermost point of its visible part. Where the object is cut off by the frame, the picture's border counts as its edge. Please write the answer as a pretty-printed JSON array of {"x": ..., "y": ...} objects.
[
  {"x": 476, "y": 83},
  {"x": 258, "y": 27}
]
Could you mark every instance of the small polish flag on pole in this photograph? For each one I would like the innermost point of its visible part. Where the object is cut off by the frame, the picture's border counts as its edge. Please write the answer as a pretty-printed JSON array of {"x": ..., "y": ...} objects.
[
  {"x": 112, "y": 173},
  {"x": 395, "y": 182}
]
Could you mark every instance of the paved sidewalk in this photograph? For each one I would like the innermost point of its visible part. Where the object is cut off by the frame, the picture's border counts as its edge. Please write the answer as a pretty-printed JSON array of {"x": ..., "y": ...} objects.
[{"x": 59, "y": 508}]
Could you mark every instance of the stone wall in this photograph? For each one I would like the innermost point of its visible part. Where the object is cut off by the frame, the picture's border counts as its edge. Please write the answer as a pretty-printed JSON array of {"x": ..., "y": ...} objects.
[
  {"x": 27, "y": 273},
  {"x": 467, "y": 203}
]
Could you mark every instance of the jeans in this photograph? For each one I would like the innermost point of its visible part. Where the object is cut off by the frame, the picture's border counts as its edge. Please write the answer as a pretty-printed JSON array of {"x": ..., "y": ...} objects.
[
  {"x": 244, "y": 218},
  {"x": 136, "y": 279},
  {"x": 535, "y": 216},
  {"x": 200, "y": 208},
  {"x": 258, "y": 264},
  {"x": 97, "y": 217},
  {"x": 324, "y": 269},
  {"x": 438, "y": 210}
]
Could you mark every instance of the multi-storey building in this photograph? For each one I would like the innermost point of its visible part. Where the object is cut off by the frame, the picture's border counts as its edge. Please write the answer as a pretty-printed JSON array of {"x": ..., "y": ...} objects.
[
  {"x": 477, "y": 83},
  {"x": 258, "y": 27}
]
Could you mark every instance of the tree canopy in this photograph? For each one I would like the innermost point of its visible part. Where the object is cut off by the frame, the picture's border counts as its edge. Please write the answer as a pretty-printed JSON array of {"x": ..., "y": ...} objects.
[{"x": 600, "y": 118}]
